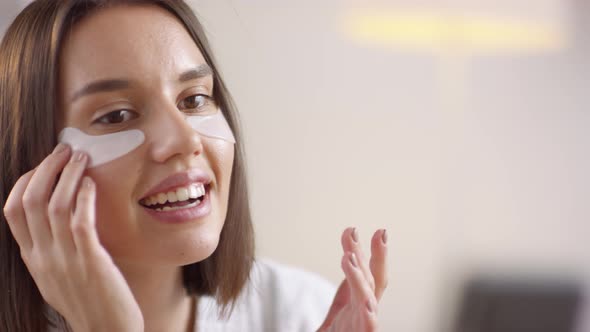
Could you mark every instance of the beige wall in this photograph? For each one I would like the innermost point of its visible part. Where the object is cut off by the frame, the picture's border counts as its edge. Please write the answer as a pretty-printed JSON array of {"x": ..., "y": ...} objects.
[{"x": 472, "y": 161}]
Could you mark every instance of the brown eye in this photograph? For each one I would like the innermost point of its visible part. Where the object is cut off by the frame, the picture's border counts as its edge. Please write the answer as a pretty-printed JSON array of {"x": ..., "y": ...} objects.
[
  {"x": 116, "y": 117},
  {"x": 196, "y": 103}
]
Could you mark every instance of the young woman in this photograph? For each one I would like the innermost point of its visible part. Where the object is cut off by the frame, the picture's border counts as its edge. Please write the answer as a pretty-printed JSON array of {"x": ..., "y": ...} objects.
[{"x": 138, "y": 220}]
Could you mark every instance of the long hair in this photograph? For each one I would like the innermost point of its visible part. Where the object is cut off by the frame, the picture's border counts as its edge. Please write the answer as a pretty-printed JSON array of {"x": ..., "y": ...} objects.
[{"x": 29, "y": 59}]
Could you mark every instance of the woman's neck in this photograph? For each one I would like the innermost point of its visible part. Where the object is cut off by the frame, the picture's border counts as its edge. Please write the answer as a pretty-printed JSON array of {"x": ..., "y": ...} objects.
[{"x": 161, "y": 296}]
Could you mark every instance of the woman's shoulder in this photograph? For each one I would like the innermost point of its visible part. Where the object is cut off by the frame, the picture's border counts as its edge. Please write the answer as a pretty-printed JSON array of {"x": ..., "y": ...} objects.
[
  {"x": 278, "y": 297},
  {"x": 270, "y": 276}
]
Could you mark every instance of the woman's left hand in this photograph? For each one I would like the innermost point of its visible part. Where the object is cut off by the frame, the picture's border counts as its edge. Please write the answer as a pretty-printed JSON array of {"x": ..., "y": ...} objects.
[{"x": 355, "y": 305}]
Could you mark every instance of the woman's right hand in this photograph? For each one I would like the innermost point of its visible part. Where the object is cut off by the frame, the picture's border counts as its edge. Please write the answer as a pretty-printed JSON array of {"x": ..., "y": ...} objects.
[{"x": 60, "y": 246}]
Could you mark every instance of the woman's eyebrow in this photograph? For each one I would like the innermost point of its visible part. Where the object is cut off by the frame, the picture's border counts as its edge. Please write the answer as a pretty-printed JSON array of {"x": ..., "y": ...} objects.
[
  {"x": 101, "y": 86},
  {"x": 201, "y": 71},
  {"x": 107, "y": 85}
]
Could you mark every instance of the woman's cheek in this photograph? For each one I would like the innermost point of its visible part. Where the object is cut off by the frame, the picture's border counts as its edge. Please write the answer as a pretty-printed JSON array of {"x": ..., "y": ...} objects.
[
  {"x": 115, "y": 209},
  {"x": 222, "y": 158}
]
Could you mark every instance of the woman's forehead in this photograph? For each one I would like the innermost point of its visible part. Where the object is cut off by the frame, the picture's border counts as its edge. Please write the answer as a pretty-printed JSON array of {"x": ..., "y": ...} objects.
[{"x": 141, "y": 43}]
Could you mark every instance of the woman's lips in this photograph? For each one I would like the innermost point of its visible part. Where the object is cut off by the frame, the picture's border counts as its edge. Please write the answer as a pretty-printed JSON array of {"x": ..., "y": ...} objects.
[{"x": 185, "y": 214}]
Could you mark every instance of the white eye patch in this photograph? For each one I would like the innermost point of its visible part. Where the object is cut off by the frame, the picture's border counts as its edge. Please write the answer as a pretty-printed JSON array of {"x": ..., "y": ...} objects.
[
  {"x": 214, "y": 126},
  {"x": 105, "y": 148},
  {"x": 102, "y": 148}
]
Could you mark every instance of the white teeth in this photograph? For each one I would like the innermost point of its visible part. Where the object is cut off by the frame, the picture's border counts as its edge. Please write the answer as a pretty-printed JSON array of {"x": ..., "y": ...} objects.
[
  {"x": 179, "y": 195},
  {"x": 193, "y": 192},
  {"x": 162, "y": 198},
  {"x": 182, "y": 194},
  {"x": 172, "y": 197},
  {"x": 173, "y": 208}
]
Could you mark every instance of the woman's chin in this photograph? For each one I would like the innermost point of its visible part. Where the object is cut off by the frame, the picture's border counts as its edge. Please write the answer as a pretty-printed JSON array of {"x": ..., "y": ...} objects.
[
  {"x": 171, "y": 252},
  {"x": 199, "y": 249}
]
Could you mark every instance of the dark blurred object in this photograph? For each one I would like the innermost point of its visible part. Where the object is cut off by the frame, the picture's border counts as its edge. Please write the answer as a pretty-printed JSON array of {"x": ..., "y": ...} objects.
[{"x": 518, "y": 305}]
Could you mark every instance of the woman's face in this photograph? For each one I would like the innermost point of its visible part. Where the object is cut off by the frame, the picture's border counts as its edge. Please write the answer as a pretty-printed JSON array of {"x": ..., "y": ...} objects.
[{"x": 149, "y": 48}]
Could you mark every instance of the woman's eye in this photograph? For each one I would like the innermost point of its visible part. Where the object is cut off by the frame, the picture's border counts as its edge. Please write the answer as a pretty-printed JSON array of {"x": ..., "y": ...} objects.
[
  {"x": 197, "y": 103},
  {"x": 116, "y": 117}
]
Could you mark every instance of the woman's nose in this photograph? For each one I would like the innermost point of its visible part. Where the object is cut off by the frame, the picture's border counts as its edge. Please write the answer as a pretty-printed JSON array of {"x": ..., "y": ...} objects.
[{"x": 172, "y": 136}]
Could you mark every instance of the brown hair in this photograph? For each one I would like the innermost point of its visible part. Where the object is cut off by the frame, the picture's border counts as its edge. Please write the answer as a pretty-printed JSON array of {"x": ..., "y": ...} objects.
[{"x": 29, "y": 58}]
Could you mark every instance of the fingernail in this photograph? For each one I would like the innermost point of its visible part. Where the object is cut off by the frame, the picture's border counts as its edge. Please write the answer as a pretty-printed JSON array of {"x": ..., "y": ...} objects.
[
  {"x": 369, "y": 306},
  {"x": 59, "y": 148},
  {"x": 81, "y": 156},
  {"x": 78, "y": 156},
  {"x": 355, "y": 236},
  {"x": 353, "y": 259},
  {"x": 384, "y": 236},
  {"x": 87, "y": 182}
]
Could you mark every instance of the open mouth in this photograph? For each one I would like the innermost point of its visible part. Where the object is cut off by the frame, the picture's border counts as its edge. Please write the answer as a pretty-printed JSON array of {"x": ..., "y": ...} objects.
[{"x": 180, "y": 198}]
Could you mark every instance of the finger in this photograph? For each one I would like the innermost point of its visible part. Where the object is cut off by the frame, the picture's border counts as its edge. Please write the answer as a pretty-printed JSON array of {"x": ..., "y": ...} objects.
[
  {"x": 62, "y": 200},
  {"x": 362, "y": 296},
  {"x": 350, "y": 242},
  {"x": 370, "y": 316},
  {"x": 36, "y": 196},
  {"x": 378, "y": 262},
  {"x": 360, "y": 289},
  {"x": 83, "y": 221},
  {"x": 341, "y": 298},
  {"x": 15, "y": 213}
]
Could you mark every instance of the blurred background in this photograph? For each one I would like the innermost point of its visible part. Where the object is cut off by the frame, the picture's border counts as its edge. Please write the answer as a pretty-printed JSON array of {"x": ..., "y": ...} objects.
[{"x": 460, "y": 126}]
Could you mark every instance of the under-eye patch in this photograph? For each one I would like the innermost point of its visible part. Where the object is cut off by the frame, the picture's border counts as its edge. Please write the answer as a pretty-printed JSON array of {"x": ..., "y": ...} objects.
[
  {"x": 105, "y": 148},
  {"x": 102, "y": 148},
  {"x": 213, "y": 125}
]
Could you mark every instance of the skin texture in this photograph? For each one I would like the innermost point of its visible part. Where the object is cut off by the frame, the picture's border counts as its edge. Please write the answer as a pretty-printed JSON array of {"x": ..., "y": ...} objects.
[
  {"x": 152, "y": 56},
  {"x": 90, "y": 238}
]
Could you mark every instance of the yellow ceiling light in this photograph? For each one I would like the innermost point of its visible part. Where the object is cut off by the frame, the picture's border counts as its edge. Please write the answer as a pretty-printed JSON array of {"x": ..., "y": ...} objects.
[{"x": 439, "y": 31}]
